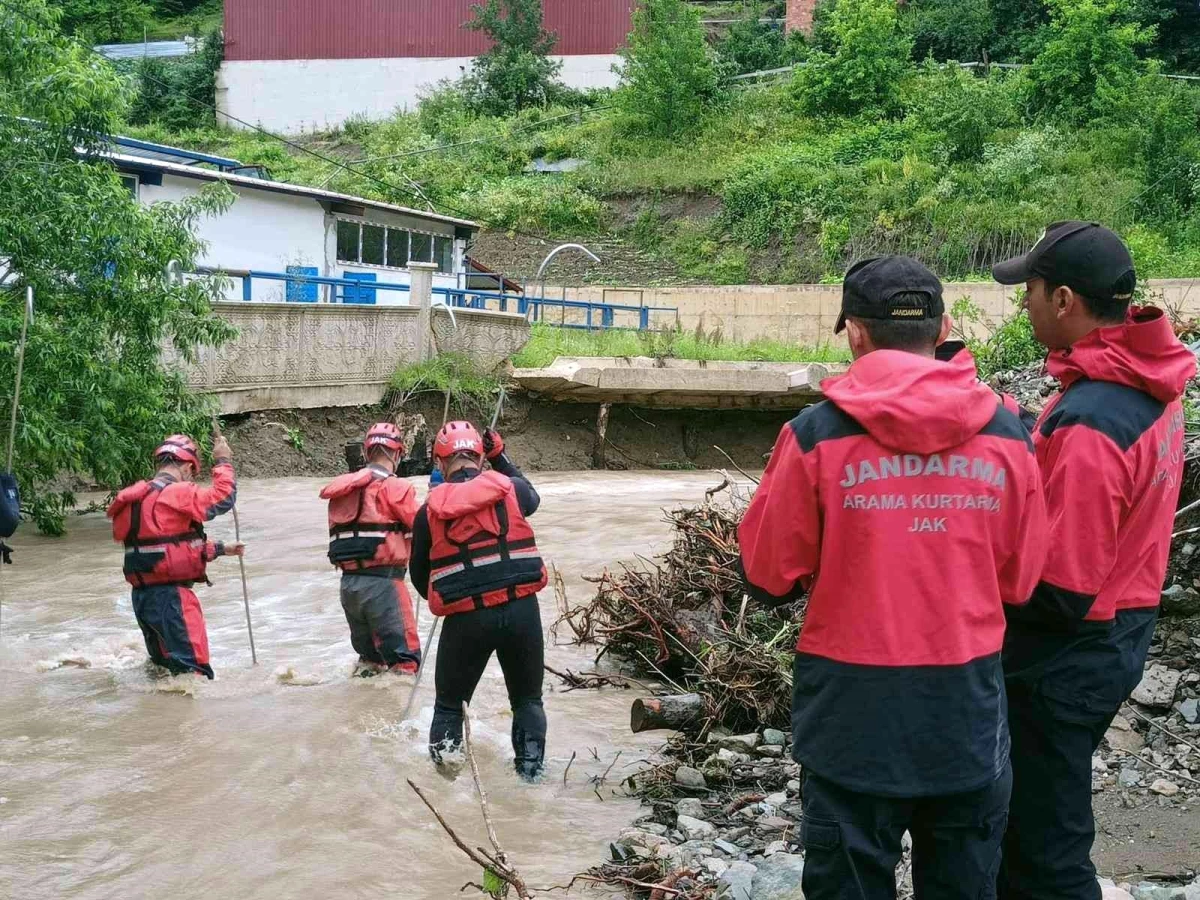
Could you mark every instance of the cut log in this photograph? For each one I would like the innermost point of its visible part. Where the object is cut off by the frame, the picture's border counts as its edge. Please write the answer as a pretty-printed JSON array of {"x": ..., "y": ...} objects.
[{"x": 675, "y": 713}]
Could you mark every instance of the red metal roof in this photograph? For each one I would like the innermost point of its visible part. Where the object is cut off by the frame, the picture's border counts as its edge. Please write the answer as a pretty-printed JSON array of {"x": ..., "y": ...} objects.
[{"x": 370, "y": 29}]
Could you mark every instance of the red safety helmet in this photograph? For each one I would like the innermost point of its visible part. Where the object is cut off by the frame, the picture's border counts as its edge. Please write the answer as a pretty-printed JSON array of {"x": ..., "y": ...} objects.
[
  {"x": 383, "y": 434},
  {"x": 457, "y": 437},
  {"x": 180, "y": 448}
]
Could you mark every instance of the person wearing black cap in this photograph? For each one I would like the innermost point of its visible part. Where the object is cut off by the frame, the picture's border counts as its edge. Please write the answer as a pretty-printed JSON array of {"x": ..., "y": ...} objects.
[
  {"x": 909, "y": 504},
  {"x": 1110, "y": 447}
]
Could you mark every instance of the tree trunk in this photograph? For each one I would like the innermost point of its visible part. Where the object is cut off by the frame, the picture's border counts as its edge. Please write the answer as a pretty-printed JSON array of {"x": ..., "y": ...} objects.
[
  {"x": 598, "y": 451},
  {"x": 675, "y": 713}
]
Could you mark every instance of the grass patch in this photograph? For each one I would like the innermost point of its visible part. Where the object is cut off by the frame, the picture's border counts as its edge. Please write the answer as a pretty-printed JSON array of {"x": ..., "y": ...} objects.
[
  {"x": 449, "y": 372},
  {"x": 547, "y": 342}
]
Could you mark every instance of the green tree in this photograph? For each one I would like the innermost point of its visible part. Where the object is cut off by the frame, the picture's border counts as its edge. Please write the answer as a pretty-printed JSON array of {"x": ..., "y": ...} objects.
[
  {"x": 670, "y": 75},
  {"x": 517, "y": 71},
  {"x": 104, "y": 21},
  {"x": 1089, "y": 63},
  {"x": 752, "y": 45},
  {"x": 96, "y": 393},
  {"x": 961, "y": 109},
  {"x": 962, "y": 30},
  {"x": 869, "y": 54},
  {"x": 178, "y": 92}
]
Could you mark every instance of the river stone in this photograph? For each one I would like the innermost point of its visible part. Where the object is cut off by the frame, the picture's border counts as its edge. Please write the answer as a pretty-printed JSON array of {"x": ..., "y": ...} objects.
[
  {"x": 773, "y": 737},
  {"x": 715, "y": 866},
  {"x": 1190, "y": 710},
  {"x": 776, "y": 800},
  {"x": 727, "y": 848},
  {"x": 631, "y": 837},
  {"x": 732, "y": 757},
  {"x": 1164, "y": 788},
  {"x": 686, "y": 776},
  {"x": 737, "y": 742},
  {"x": 695, "y": 829},
  {"x": 1129, "y": 778},
  {"x": 1158, "y": 687},
  {"x": 1109, "y": 891},
  {"x": 778, "y": 878},
  {"x": 1150, "y": 891},
  {"x": 1180, "y": 601},
  {"x": 736, "y": 881},
  {"x": 1129, "y": 741},
  {"x": 775, "y": 823},
  {"x": 690, "y": 807},
  {"x": 653, "y": 828},
  {"x": 769, "y": 751},
  {"x": 775, "y": 847}
]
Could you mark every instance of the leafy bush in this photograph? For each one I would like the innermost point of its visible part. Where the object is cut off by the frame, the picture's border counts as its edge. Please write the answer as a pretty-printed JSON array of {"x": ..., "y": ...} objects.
[
  {"x": 104, "y": 21},
  {"x": 1011, "y": 345},
  {"x": 179, "y": 93},
  {"x": 751, "y": 45},
  {"x": 962, "y": 110},
  {"x": 670, "y": 76},
  {"x": 517, "y": 71},
  {"x": 950, "y": 29},
  {"x": 1090, "y": 61},
  {"x": 549, "y": 203},
  {"x": 869, "y": 56},
  {"x": 451, "y": 372}
]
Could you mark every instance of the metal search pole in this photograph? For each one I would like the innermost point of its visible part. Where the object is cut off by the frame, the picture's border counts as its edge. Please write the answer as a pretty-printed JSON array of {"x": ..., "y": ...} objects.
[{"x": 237, "y": 534}]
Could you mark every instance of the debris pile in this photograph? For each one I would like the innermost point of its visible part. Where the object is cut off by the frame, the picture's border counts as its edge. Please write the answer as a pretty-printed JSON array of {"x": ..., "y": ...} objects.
[
  {"x": 684, "y": 619},
  {"x": 723, "y": 819}
]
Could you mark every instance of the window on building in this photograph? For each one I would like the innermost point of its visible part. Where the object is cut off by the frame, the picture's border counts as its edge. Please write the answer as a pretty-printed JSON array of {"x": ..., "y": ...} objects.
[
  {"x": 372, "y": 245},
  {"x": 347, "y": 240},
  {"x": 397, "y": 248},
  {"x": 131, "y": 183},
  {"x": 443, "y": 254},
  {"x": 422, "y": 247}
]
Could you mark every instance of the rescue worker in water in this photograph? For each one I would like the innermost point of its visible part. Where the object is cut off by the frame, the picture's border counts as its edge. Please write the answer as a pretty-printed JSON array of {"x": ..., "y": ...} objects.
[
  {"x": 161, "y": 524},
  {"x": 371, "y": 514},
  {"x": 476, "y": 561}
]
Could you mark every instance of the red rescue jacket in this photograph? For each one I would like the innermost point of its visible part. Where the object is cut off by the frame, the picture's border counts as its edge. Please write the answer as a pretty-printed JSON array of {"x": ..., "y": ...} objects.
[
  {"x": 1110, "y": 447},
  {"x": 483, "y": 552},
  {"x": 161, "y": 524},
  {"x": 910, "y": 502},
  {"x": 371, "y": 514}
]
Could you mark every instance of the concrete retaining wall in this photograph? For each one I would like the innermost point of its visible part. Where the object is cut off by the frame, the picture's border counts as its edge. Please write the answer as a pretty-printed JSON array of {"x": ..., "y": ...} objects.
[
  {"x": 290, "y": 355},
  {"x": 806, "y": 313}
]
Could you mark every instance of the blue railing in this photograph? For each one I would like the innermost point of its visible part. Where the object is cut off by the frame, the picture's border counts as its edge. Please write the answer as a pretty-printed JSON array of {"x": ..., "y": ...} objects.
[{"x": 359, "y": 288}]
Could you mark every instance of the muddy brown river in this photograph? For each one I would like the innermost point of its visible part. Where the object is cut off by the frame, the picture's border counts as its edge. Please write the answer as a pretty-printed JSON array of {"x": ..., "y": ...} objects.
[{"x": 287, "y": 779}]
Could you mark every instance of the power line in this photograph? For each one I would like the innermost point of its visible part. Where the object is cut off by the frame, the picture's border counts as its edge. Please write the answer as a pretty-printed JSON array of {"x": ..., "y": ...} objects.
[{"x": 416, "y": 194}]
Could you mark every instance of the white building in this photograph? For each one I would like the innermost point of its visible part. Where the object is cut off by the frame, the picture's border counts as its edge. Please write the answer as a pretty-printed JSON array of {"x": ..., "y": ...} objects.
[{"x": 274, "y": 229}]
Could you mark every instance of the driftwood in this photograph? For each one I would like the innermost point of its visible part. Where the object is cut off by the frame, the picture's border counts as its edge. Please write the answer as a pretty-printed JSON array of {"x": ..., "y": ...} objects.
[{"x": 675, "y": 712}]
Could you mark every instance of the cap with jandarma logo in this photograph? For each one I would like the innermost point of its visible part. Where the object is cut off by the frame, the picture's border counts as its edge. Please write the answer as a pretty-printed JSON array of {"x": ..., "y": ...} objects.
[
  {"x": 1085, "y": 256},
  {"x": 890, "y": 287}
]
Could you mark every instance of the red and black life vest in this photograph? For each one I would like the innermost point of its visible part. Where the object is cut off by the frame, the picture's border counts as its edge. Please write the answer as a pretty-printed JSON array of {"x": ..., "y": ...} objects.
[
  {"x": 361, "y": 537},
  {"x": 156, "y": 554},
  {"x": 483, "y": 550}
]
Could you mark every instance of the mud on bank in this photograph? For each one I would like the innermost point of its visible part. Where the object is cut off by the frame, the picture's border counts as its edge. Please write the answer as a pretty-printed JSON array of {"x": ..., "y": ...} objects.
[{"x": 541, "y": 435}]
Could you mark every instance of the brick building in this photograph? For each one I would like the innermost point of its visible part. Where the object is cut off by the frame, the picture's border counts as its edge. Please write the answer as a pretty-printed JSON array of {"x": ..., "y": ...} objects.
[{"x": 800, "y": 15}]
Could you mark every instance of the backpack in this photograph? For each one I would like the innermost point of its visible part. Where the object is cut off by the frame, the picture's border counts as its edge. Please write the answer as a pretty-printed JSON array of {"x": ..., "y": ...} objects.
[{"x": 10, "y": 504}]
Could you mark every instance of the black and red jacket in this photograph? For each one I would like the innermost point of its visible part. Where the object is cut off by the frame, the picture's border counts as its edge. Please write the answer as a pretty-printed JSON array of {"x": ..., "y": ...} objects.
[
  {"x": 161, "y": 524},
  {"x": 473, "y": 546},
  {"x": 1110, "y": 447},
  {"x": 371, "y": 513},
  {"x": 909, "y": 504}
]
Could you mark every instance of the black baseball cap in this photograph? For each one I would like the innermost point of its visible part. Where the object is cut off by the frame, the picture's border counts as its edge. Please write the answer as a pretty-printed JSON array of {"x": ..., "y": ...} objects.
[
  {"x": 1085, "y": 256},
  {"x": 873, "y": 287}
]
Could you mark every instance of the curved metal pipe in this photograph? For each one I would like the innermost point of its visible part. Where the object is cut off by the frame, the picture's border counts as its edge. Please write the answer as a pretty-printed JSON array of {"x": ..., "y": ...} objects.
[{"x": 538, "y": 279}]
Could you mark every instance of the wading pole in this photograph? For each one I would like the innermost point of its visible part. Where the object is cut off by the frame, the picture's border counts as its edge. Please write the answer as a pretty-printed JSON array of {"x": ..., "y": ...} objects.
[
  {"x": 421, "y": 669},
  {"x": 16, "y": 401},
  {"x": 237, "y": 535}
]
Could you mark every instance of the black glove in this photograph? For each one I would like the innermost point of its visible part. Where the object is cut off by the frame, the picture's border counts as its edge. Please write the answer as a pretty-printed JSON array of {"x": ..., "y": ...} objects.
[
  {"x": 5, "y": 554},
  {"x": 493, "y": 444}
]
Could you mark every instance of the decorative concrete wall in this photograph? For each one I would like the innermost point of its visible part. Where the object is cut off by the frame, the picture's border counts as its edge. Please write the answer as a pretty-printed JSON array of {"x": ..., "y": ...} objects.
[
  {"x": 806, "y": 313},
  {"x": 289, "y": 355}
]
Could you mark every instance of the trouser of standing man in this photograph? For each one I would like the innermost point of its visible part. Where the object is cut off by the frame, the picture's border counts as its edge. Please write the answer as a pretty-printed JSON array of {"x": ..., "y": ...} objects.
[
  {"x": 379, "y": 611},
  {"x": 172, "y": 624},
  {"x": 852, "y": 842},
  {"x": 513, "y": 631},
  {"x": 1058, "y": 711}
]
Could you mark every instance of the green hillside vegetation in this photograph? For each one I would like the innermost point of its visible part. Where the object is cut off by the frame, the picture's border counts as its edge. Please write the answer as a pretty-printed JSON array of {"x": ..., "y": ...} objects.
[{"x": 688, "y": 176}]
